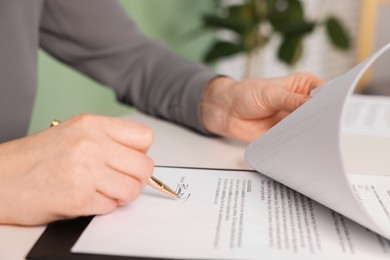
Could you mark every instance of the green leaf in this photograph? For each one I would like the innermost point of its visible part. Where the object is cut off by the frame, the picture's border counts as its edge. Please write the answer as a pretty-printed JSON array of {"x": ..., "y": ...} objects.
[
  {"x": 222, "y": 49},
  {"x": 295, "y": 12},
  {"x": 299, "y": 29},
  {"x": 285, "y": 13},
  {"x": 216, "y": 22},
  {"x": 337, "y": 34},
  {"x": 238, "y": 18},
  {"x": 245, "y": 13},
  {"x": 270, "y": 4},
  {"x": 290, "y": 50}
]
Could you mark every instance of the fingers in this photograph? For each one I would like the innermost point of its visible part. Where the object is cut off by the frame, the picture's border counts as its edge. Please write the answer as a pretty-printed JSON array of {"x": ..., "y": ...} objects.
[
  {"x": 124, "y": 175},
  {"x": 111, "y": 152},
  {"x": 118, "y": 186},
  {"x": 87, "y": 165},
  {"x": 303, "y": 82},
  {"x": 124, "y": 168},
  {"x": 279, "y": 99},
  {"x": 131, "y": 162},
  {"x": 291, "y": 92},
  {"x": 130, "y": 134},
  {"x": 299, "y": 86},
  {"x": 100, "y": 204},
  {"x": 290, "y": 101}
]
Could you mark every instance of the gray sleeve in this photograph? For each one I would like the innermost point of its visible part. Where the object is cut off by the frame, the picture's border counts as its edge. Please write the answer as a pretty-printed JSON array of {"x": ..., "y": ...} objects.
[{"x": 98, "y": 38}]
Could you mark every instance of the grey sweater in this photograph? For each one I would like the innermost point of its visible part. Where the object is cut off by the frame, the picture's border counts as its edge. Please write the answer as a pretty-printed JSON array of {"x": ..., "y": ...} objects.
[{"x": 97, "y": 38}]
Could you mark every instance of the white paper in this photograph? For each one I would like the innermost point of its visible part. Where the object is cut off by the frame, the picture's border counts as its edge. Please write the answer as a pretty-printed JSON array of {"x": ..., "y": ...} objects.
[
  {"x": 374, "y": 193},
  {"x": 213, "y": 219},
  {"x": 367, "y": 115},
  {"x": 366, "y": 135},
  {"x": 228, "y": 215},
  {"x": 205, "y": 152},
  {"x": 245, "y": 215},
  {"x": 305, "y": 151}
]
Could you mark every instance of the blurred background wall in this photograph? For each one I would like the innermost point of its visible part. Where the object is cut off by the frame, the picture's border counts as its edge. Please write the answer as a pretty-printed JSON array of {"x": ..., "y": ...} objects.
[
  {"x": 63, "y": 92},
  {"x": 374, "y": 34}
]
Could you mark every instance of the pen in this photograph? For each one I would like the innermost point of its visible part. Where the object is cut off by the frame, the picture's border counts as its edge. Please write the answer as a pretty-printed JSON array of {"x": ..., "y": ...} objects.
[
  {"x": 159, "y": 185},
  {"x": 153, "y": 181}
]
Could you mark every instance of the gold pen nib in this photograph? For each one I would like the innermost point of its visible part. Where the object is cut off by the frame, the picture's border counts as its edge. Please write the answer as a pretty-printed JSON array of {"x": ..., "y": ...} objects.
[{"x": 159, "y": 185}]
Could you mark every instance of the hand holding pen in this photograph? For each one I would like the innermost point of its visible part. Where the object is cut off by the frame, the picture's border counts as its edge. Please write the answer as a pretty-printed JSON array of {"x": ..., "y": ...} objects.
[
  {"x": 87, "y": 165},
  {"x": 153, "y": 181}
]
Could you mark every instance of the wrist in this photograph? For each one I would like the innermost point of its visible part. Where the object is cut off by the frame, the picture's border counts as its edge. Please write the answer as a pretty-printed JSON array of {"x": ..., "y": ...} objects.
[{"x": 216, "y": 104}]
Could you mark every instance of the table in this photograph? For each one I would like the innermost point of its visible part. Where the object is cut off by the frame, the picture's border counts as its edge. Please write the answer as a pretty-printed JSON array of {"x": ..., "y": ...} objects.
[{"x": 173, "y": 146}]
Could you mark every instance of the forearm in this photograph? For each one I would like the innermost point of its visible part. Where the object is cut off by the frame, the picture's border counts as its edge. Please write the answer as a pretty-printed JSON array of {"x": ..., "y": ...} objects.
[{"x": 103, "y": 42}]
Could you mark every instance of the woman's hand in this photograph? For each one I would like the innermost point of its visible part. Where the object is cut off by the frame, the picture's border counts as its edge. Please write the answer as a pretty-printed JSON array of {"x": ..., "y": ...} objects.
[
  {"x": 246, "y": 109},
  {"x": 87, "y": 165}
]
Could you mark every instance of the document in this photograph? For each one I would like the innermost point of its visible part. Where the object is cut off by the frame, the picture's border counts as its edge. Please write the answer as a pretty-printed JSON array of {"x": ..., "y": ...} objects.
[
  {"x": 367, "y": 115},
  {"x": 229, "y": 215},
  {"x": 320, "y": 189},
  {"x": 319, "y": 148},
  {"x": 365, "y": 134}
]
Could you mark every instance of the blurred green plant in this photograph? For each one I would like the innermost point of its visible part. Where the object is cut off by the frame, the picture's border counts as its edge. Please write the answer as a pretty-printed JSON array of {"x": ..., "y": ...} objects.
[{"x": 254, "y": 22}]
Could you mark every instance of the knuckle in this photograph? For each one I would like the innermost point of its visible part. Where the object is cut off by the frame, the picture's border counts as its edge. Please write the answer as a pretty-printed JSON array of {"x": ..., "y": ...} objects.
[
  {"x": 85, "y": 121},
  {"x": 76, "y": 174},
  {"x": 81, "y": 149}
]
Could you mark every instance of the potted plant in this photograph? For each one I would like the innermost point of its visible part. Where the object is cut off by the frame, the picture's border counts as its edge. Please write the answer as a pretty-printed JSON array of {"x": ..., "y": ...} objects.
[{"x": 253, "y": 23}]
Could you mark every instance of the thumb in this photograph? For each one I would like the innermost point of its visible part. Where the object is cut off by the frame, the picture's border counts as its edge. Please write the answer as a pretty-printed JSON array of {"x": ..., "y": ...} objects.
[{"x": 289, "y": 101}]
